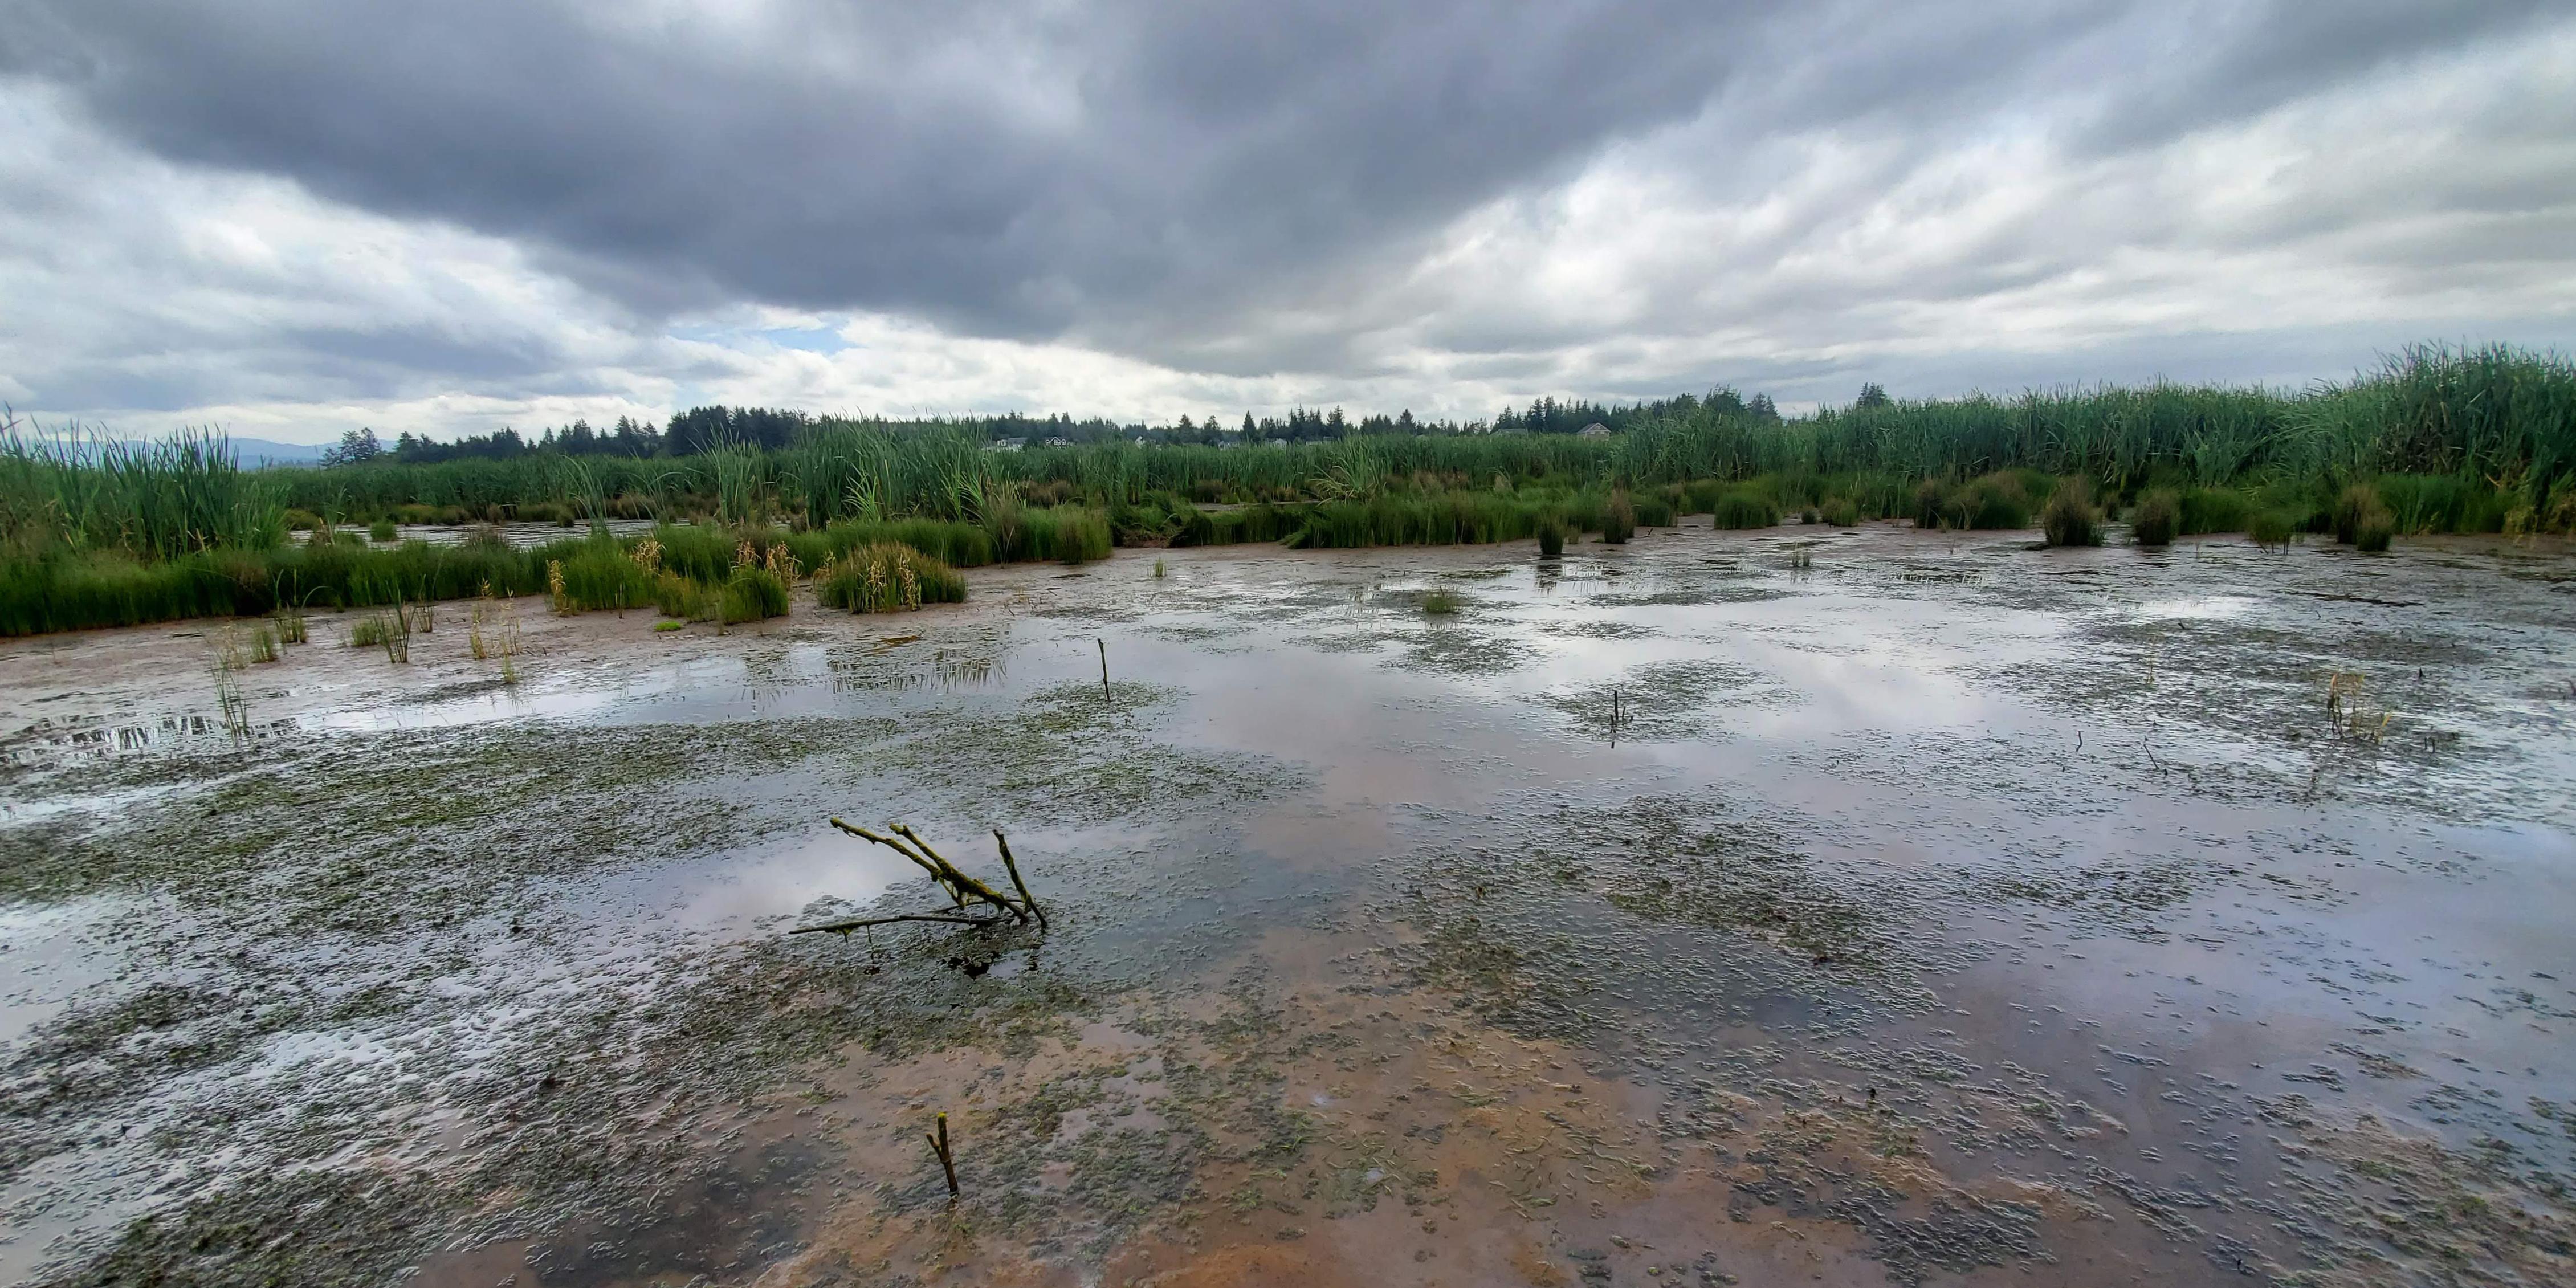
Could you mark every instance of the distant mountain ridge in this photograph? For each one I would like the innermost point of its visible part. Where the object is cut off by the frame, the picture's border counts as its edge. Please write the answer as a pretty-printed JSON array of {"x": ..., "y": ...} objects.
[
  {"x": 256, "y": 452},
  {"x": 250, "y": 453}
]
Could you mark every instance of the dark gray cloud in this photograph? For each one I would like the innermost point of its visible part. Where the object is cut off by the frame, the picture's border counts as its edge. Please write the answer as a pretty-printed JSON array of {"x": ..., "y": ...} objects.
[
  {"x": 1002, "y": 167},
  {"x": 526, "y": 206},
  {"x": 1033, "y": 169}
]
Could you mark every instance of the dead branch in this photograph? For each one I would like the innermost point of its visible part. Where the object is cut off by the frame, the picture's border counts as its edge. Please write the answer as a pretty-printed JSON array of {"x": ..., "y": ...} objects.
[
  {"x": 902, "y": 849},
  {"x": 960, "y": 888},
  {"x": 959, "y": 880},
  {"x": 1012, "y": 867},
  {"x": 859, "y": 922}
]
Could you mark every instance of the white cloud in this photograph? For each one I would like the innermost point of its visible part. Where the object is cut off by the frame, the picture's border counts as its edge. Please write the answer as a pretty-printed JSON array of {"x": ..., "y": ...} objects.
[{"x": 2431, "y": 197}]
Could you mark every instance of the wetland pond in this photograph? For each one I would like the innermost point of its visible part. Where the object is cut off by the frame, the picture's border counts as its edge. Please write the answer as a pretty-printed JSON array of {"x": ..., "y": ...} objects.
[{"x": 1933, "y": 909}]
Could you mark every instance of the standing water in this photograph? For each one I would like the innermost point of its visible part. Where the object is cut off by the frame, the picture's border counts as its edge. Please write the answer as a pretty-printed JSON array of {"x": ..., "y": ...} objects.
[{"x": 1810, "y": 906}]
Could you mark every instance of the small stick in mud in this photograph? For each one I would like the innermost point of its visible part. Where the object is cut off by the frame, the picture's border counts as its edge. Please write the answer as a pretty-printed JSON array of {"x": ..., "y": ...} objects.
[
  {"x": 1104, "y": 671},
  {"x": 1012, "y": 866},
  {"x": 947, "y": 1161}
]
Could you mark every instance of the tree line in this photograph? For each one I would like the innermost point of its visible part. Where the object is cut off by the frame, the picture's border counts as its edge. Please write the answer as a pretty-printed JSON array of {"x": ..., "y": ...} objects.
[{"x": 711, "y": 428}]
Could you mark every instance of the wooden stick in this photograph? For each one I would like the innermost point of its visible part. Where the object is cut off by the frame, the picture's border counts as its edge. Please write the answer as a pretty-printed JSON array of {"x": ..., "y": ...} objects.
[
  {"x": 1104, "y": 671},
  {"x": 845, "y": 926},
  {"x": 959, "y": 879},
  {"x": 1016, "y": 883},
  {"x": 947, "y": 1161}
]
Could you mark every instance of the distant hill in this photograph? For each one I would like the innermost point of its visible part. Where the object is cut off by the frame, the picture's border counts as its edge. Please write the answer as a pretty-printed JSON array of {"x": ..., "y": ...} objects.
[
  {"x": 256, "y": 452},
  {"x": 252, "y": 453}
]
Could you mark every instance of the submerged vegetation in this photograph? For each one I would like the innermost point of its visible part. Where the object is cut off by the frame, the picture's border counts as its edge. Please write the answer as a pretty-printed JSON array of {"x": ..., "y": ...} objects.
[{"x": 96, "y": 532}]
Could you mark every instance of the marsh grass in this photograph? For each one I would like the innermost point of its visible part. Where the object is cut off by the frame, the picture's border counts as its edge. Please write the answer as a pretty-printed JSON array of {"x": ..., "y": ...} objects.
[
  {"x": 98, "y": 533},
  {"x": 2350, "y": 715},
  {"x": 492, "y": 631},
  {"x": 1999, "y": 501},
  {"x": 2070, "y": 518},
  {"x": 290, "y": 625},
  {"x": 385, "y": 629},
  {"x": 1619, "y": 521},
  {"x": 232, "y": 707},
  {"x": 2496, "y": 418},
  {"x": 1743, "y": 508},
  {"x": 1551, "y": 539},
  {"x": 2272, "y": 530},
  {"x": 240, "y": 646},
  {"x": 752, "y": 594},
  {"x": 1442, "y": 602},
  {"x": 2360, "y": 517},
  {"x": 2157, "y": 516},
  {"x": 382, "y": 532},
  {"x": 886, "y": 578}
]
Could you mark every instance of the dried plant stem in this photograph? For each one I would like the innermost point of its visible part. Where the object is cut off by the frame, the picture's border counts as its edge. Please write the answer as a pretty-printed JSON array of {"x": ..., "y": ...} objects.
[
  {"x": 858, "y": 923},
  {"x": 947, "y": 1160},
  {"x": 1012, "y": 866}
]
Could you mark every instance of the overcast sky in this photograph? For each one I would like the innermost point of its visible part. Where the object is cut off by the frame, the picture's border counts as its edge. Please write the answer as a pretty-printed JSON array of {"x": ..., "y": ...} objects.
[{"x": 289, "y": 218}]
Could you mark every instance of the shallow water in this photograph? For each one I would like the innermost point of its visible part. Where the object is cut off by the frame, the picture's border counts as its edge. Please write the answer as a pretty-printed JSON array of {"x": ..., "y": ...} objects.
[{"x": 1831, "y": 907}]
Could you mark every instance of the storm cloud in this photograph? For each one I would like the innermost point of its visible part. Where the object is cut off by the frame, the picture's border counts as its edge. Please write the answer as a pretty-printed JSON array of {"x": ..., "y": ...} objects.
[{"x": 508, "y": 206}]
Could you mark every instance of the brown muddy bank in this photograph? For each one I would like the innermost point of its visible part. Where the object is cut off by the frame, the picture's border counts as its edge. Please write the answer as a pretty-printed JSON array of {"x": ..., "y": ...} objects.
[{"x": 1801, "y": 906}]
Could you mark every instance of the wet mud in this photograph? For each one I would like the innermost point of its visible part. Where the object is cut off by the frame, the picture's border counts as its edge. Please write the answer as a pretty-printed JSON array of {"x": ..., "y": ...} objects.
[{"x": 1869, "y": 907}]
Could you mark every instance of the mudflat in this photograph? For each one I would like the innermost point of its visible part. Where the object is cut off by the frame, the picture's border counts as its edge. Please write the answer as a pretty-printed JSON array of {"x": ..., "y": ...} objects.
[{"x": 1803, "y": 905}]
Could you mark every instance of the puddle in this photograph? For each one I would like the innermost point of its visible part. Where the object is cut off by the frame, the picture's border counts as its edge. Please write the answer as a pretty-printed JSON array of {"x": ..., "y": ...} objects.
[{"x": 1919, "y": 908}]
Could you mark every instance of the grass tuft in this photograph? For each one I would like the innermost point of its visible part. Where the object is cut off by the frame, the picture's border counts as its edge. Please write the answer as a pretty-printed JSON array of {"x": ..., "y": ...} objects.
[
  {"x": 1743, "y": 508},
  {"x": 2158, "y": 515},
  {"x": 886, "y": 578},
  {"x": 1619, "y": 520},
  {"x": 2272, "y": 530},
  {"x": 2070, "y": 518},
  {"x": 753, "y": 594}
]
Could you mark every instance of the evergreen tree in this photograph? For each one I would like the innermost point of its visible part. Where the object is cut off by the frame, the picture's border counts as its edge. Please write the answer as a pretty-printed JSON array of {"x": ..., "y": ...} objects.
[{"x": 356, "y": 447}]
